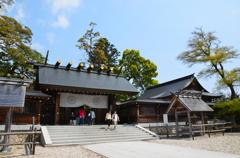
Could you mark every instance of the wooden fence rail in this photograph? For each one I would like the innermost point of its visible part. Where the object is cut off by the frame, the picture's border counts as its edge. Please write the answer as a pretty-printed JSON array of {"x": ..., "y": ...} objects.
[
  {"x": 205, "y": 128},
  {"x": 30, "y": 141}
]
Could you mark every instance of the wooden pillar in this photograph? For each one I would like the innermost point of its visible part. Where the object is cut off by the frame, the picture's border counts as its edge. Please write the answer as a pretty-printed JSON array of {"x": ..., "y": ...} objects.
[
  {"x": 38, "y": 111},
  {"x": 57, "y": 109},
  {"x": 202, "y": 117},
  {"x": 158, "y": 112},
  {"x": 8, "y": 124},
  {"x": 176, "y": 121},
  {"x": 189, "y": 123},
  {"x": 112, "y": 102},
  {"x": 137, "y": 112}
]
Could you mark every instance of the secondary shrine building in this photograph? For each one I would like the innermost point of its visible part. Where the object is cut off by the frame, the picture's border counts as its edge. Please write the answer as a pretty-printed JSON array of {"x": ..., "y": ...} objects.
[{"x": 157, "y": 100}]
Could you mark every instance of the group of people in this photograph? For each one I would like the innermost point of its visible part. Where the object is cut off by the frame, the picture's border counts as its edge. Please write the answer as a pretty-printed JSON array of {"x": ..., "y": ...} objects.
[
  {"x": 81, "y": 115},
  {"x": 90, "y": 115},
  {"x": 114, "y": 117}
]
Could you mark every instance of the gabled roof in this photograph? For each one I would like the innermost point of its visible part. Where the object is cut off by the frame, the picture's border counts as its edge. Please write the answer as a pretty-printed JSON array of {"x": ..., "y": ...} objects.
[
  {"x": 71, "y": 79},
  {"x": 189, "y": 100},
  {"x": 37, "y": 94},
  {"x": 162, "y": 90},
  {"x": 144, "y": 100}
]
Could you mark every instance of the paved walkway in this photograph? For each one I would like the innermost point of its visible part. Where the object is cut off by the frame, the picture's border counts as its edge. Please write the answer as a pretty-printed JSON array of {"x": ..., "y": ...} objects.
[{"x": 141, "y": 149}]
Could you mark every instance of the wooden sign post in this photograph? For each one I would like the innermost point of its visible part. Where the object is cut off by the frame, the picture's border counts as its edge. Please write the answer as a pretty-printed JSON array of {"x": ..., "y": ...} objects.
[{"x": 12, "y": 94}]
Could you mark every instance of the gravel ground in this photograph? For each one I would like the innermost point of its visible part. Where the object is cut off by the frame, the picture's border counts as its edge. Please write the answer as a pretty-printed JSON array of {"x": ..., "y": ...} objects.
[
  {"x": 54, "y": 152},
  {"x": 229, "y": 143}
]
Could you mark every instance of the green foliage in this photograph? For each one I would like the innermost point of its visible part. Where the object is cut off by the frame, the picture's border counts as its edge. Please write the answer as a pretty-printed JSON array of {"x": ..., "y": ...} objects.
[
  {"x": 205, "y": 49},
  {"x": 86, "y": 43},
  {"x": 14, "y": 48},
  {"x": 99, "y": 50},
  {"x": 228, "y": 107},
  {"x": 139, "y": 71},
  {"x": 109, "y": 55}
]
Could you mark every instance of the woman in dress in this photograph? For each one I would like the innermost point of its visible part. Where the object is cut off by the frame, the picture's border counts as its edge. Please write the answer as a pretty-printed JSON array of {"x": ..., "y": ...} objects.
[{"x": 108, "y": 118}]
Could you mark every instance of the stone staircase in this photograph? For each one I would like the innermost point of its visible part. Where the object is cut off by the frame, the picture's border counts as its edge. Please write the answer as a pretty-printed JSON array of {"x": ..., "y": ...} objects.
[{"x": 85, "y": 135}]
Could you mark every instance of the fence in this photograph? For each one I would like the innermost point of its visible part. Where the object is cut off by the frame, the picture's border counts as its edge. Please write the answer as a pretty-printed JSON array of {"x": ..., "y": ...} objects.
[
  {"x": 31, "y": 140},
  {"x": 184, "y": 130}
]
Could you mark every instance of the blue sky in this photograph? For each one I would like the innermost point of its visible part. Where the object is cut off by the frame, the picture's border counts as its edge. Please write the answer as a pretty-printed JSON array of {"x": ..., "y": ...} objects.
[{"x": 160, "y": 29}]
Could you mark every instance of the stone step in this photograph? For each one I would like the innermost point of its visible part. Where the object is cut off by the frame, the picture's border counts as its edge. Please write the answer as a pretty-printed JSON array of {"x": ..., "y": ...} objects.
[
  {"x": 95, "y": 136},
  {"x": 95, "y": 132},
  {"x": 102, "y": 134},
  {"x": 73, "y": 135},
  {"x": 88, "y": 143},
  {"x": 90, "y": 128},
  {"x": 96, "y": 140}
]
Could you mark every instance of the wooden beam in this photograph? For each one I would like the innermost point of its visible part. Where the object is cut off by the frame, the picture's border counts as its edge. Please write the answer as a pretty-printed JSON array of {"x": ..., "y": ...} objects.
[
  {"x": 57, "y": 109},
  {"x": 138, "y": 113},
  {"x": 202, "y": 117},
  {"x": 171, "y": 104},
  {"x": 176, "y": 121},
  {"x": 179, "y": 112},
  {"x": 189, "y": 123},
  {"x": 8, "y": 124}
]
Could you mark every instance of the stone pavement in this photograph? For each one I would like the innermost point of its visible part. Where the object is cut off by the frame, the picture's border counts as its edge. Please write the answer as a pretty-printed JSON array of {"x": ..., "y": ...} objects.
[{"x": 141, "y": 149}]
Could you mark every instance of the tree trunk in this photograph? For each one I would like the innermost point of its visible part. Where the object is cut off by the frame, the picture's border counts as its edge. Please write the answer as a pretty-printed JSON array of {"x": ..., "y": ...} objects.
[
  {"x": 233, "y": 93},
  {"x": 233, "y": 119}
]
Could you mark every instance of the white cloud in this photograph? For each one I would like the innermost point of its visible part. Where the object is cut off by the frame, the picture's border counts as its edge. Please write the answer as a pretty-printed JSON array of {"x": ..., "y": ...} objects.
[
  {"x": 20, "y": 15},
  {"x": 40, "y": 21},
  {"x": 51, "y": 37},
  {"x": 62, "y": 22},
  {"x": 64, "y": 5},
  {"x": 37, "y": 46}
]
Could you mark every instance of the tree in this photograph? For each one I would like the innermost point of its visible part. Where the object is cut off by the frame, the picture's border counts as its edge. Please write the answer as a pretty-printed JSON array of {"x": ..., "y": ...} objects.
[
  {"x": 139, "y": 71},
  {"x": 14, "y": 48},
  {"x": 5, "y": 2},
  {"x": 205, "y": 49},
  {"x": 228, "y": 107},
  {"x": 109, "y": 51},
  {"x": 99, "y": 50},
  {"x": 86, "y": 43}
]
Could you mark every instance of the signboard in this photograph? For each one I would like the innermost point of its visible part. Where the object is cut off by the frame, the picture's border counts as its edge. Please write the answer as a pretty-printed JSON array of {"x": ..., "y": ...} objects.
[
  {"x": 76, "y": 100},
  {"x": 12, "y": 95},
  {"x": 165, "y": 118}
]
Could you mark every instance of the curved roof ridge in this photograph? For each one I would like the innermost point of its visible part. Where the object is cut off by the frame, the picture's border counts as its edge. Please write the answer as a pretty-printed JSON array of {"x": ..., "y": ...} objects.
[{"x": 172, "y": 81}]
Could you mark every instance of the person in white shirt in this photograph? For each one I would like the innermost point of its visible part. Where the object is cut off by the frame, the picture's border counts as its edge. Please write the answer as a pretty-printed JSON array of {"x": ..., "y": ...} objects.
[
  {"x": 115, "y": 119},
  {"x": 93, "y": 116}
]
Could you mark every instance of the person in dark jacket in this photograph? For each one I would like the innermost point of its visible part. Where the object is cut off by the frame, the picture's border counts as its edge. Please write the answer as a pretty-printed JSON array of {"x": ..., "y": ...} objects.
[
  {"x": 89, "y": 117},
  {"x": 72, "y": 118}
]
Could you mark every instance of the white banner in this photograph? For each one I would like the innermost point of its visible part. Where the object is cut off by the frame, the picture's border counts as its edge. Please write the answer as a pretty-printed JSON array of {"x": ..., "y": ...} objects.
[{"x": 76, "y": 100}]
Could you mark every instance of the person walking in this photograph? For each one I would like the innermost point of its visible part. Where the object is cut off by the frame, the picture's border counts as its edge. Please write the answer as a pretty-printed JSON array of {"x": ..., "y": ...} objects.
[
  {"x": 72, "y": 118},
  {"x": 89, "y": 117},
  {"x": 115, "y": 119},
  {"x": 82, "y": 114},
  {"x": 108, "y": 118},
  {"x": 93, "y": 116}
]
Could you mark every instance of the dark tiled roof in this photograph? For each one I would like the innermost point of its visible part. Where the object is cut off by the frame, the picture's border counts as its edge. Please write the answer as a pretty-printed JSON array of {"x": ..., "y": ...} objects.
[
  {"x": 190, "y": 100},
  {"x": 162, "y": 90},
  {"x": 143, "y": 100},
  {"x": 194, "y": 104},
  {"x": 83, "y": 81},
  {"x": 34, "y": 93}
]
